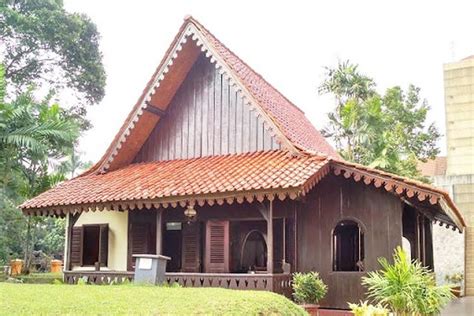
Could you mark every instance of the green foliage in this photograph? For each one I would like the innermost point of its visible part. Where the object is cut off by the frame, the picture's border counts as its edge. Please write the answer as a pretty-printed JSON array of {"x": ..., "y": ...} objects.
[
  {"x": 308, "y": 288},
  {"x": 387, "y": 132},
  {"x": 81, "y": 282},
  {"x": 41, "y": 278},
  {"x": 455, "y": 278},
  {"x": 57, "y": 282},
  {"x": 173, "y": 284},
  {"x": 12, "y": 229},
  {"x": 33, "y": 135},
  {"x": 36, "y": 299},
  {"x": 366, "y": 309},
  {"x": 44, "y": 44},
  {"x": 407, "y": 288}
]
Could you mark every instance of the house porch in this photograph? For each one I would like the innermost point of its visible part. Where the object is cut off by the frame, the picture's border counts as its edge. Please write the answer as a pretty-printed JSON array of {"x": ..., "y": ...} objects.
[
  {"x": 278, "y": 283},
  {"x": 237, "y": 246}
]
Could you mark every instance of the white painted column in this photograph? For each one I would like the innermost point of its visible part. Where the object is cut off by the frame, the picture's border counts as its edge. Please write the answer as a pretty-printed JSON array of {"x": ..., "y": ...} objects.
[{"x": 270, "y": 238}]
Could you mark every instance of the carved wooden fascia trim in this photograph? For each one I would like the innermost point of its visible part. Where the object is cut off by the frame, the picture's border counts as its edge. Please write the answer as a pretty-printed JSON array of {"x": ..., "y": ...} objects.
[
  {"x": 450, "y": 212},
  {"x": 160, "y": 75},
  {"x": 399, "y": 188},
  {"x": 192, "y": 31},
  {"x": 173, "y": 202}
]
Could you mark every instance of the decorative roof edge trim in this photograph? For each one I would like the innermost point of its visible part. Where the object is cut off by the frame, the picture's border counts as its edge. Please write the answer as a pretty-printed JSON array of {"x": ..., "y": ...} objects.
[
  {"x": 401, "y": 188},
  {"x": 192, "y": 30},
  {"x": 210, "y": 199}
]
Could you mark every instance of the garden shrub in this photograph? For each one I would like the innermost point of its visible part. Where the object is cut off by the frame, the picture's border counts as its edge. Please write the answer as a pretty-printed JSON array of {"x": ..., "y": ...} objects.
[
  {"x": 308, "y": 287},
  {"x": 406, "y": 287}
]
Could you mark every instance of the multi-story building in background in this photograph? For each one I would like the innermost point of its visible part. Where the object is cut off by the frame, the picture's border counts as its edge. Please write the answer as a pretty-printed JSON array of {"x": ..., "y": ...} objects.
[{"x": 454, "y": 252}]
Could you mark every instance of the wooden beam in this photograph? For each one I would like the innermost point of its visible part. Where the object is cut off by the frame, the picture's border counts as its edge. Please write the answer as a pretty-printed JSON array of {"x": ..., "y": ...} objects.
[
  {"x": 155, "y": 110},
  {"x": 263, "y": 209},
  {"x": 270, "y": 238},
  {"x": 159, "y": 233}
]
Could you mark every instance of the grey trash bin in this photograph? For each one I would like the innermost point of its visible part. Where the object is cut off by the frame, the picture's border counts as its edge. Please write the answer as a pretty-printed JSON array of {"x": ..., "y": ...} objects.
[{"x": 150, "y": 269}]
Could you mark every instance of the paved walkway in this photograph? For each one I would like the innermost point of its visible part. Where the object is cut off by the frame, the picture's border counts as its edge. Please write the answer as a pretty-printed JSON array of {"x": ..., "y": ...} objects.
[{"x": 460, "y": 307}]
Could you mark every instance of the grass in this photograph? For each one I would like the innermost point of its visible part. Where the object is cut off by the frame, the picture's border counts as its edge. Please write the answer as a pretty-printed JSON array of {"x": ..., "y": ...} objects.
[
  {"x": 48, "y": 299},
  {"x": 40, "y": 278}
]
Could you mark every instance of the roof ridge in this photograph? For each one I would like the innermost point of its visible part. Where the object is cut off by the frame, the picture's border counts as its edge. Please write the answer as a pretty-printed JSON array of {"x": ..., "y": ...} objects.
[{"x": 203, "y": 28}]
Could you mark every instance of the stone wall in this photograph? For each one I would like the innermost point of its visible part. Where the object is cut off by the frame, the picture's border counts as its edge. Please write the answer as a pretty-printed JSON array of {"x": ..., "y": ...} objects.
[{"x": 454, "y": 252}]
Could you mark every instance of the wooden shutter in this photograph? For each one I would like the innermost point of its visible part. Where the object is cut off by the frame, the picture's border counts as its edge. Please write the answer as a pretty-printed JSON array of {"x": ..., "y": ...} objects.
[
  {"x": 104, "y": 245},
  {"x": 191, "y": 247},
  {"x": 139, "y": 241},
  {"x": 217, "y": 247},
  {"x": 76, "y": 246},
  {"x": 140, "y": 238}
]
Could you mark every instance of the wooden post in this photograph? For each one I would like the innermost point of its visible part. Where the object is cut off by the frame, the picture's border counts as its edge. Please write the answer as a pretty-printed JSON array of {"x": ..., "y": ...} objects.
[
  {"x": 423, "y": 244},
  {"x": 417, "y": 237},
  {"x": 295, "y": 236},
  {"x": 270, "y": 238},
  {"x": 284, "y": 239},
  {"x": 159, "y": 233}
]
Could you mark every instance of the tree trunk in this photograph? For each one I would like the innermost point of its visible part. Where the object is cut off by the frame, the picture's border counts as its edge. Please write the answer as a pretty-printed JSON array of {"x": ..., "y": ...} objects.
[{"x": 27, "y": 255}]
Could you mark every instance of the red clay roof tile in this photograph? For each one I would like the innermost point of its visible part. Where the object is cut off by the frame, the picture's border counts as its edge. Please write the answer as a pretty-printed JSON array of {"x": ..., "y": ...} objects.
[{"x": 207, "y": 175}]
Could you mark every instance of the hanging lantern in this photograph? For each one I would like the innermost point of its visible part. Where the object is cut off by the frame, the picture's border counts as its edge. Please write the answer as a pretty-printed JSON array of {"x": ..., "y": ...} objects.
[{"x": 190, "y": 213}]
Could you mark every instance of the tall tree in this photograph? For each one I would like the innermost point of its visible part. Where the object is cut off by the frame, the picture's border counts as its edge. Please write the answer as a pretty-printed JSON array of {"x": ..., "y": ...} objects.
[
  {"x": 32, "y": 134},
  {"x": 388, "y": 131},
  {"x": 45, "y": 45}
]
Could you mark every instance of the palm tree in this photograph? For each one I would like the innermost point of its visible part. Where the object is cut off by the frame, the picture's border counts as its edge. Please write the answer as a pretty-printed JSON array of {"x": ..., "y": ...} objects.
[{"x": 32, "y": 134}]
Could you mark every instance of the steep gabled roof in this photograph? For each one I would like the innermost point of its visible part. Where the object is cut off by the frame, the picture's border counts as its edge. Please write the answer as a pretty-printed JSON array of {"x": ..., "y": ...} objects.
[{"x": 283, "y": 119}]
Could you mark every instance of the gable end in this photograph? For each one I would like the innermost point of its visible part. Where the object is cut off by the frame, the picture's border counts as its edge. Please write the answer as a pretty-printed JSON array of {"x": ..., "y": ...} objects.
[{"x": 207, "y": 116}]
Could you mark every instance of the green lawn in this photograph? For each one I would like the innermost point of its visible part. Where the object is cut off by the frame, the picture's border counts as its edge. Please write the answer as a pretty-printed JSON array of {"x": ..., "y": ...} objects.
[
  {"x": 46, "y": 299},
  {"x": 40, "y": 278}
]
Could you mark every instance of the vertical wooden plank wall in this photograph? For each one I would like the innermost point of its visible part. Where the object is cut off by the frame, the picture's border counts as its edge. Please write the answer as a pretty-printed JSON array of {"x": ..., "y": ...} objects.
[
  {"x": 206, "y": 117},
  {"x": 336, "y": 199}
]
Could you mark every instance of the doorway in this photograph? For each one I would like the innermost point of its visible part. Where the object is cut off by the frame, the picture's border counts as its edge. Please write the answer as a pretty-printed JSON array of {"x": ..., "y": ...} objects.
[
  {"x": 254, "y": 252},
  {"x": 141, "y": 235},
  {"x": 172, "y": 240}
]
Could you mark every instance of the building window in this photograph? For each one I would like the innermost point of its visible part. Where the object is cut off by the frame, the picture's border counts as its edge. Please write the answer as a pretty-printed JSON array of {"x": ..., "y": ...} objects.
[
  {"x": 254, "y": 252},
  {"x": 95, "y": 245},
  {"x": 348, "y": 247}
]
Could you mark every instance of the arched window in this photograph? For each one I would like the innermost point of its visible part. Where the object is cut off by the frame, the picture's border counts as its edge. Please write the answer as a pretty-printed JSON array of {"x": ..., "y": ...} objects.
[
  {"x": 254, "y": 252},
  {"x": 348, "y": 246}
]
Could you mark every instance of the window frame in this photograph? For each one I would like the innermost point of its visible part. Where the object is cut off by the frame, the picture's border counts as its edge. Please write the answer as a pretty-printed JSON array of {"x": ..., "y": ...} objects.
[
  {"x": 100, "y": 226},
  {"x": 362, "y": 243}
]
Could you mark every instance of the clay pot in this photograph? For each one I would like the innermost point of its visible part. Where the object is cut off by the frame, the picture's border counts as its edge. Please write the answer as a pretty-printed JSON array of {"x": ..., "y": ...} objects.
[
  {"x": 311, "y": 309},
  {"x": 16, "y": 266},
  {"x": 456, "y": 290}
]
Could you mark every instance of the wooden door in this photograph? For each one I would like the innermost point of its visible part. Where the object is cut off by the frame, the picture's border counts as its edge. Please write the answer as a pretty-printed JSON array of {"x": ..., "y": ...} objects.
[
  {"x": 141, "y": 235},
  {"x": 217, "y": 247},
  {"x": 191, "y": 247}
]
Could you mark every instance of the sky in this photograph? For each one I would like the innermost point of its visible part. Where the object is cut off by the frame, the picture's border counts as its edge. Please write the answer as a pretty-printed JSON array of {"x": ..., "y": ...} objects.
[{"x": 288, "y": 42}]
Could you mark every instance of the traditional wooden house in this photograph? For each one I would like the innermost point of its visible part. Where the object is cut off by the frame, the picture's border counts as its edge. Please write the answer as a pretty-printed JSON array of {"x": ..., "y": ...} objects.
[{"x": 218, "y": 170}]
